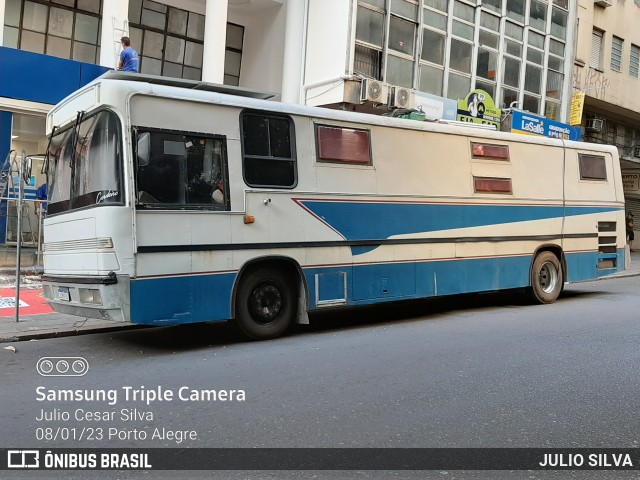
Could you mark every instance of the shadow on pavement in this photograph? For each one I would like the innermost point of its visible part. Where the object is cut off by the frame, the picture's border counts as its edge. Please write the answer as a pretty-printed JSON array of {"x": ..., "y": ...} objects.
[{"x": 196, "y": 336}]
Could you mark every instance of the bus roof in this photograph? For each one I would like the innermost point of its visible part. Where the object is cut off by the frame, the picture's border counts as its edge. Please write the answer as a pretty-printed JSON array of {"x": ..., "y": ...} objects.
[{"x": 122, "y": 85}]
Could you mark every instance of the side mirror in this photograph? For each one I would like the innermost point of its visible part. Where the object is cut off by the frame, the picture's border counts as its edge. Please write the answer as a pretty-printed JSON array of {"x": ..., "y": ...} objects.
[{"x": 144, "y": 149}]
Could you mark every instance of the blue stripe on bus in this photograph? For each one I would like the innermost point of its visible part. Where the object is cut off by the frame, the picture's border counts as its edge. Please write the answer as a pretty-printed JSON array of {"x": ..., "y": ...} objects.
[
  {"x": 183, "y": 299},
  {"x": 204, "y": 298},
  {"x": 356, "y": 220}
]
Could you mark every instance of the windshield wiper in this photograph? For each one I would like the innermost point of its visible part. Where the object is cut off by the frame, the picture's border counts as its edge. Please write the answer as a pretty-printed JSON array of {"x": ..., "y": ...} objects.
[{"x": 74, "y": 150}]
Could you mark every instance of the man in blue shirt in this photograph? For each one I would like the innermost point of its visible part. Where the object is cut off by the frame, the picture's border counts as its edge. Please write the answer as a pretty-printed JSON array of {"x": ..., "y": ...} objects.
[{"x": 129, "y": 61}]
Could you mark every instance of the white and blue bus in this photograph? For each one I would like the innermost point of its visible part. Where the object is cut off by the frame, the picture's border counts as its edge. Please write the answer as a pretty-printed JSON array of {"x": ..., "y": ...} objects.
[{"x": 174, "y": 202}]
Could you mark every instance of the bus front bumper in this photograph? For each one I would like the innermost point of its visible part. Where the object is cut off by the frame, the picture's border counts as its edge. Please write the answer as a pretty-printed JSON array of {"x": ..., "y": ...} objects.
[{"x": 102, "y": 297}]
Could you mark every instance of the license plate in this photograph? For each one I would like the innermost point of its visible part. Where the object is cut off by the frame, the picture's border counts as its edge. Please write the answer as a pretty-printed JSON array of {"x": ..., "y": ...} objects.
[{"x": 63, "y": 294}]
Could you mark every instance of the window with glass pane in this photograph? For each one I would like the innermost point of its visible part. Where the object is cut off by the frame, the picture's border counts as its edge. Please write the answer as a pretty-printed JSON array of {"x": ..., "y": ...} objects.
[
  {"x": 562, "y": 4},
  {"x": 535, "y": 40},
  {"x": 184, "y": 170},
  {"x": 559, "y": 23},
  {"x": 269, "y": 158},
  {"x": 490, "y": 21},
  {"x": 511, "y": 72},
  {"x": 490, "y": 88},
  {"x": 556, "y": 47},
  {"x": 433, "y": 44},
  {"x": 368, "y": 62},
  {"x": 41, "y": 28},
  {"x": 531, "y": 103},
  {"x": 399, "y": 71},
  {"x": 405, "y": 8},
  {"x": 552, "y": 110},
  {"x": 376, "y": 3},
  {"x": 538, "y": 15},
  {"x": 460, "y": 56},
  {"x": 494, "y": 5},
  {"x": 616, "y": 54},
  {"x": 554, "y": 85},
  {"x": 596, "y": 49},
  {"x": 463, "y": 30},
  {"x": 488, "y": 39},
  {"x": 487, "y": 64},
  {"x": 435, "y": 20},
  {"x": 431, "y": 79},
  {"x": 369, "y": 26},
  {"x": 508, "y": 98},
  {"x": 533, "y": 79},
  {"x": 634, "y": 61},
  {"x": 442, "y": 5},
  {"x": 61, "y": 22},
  {"x": 459, "y": 86},
  {"x": 515, "y": 10},
  {"x": 556, "y": 63},
  {"x": 512, "y": 48},
  {"x": 535, "y": 56},
  {"x": 177, "y": 21},
  {"x": 514, "y": 31},
  {"x": 402, "y": 35},
  {"x": 463, "y": 11}
]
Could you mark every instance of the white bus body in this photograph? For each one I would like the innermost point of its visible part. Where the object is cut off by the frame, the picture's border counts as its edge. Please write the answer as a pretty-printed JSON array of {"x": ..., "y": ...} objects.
[{"x": 309, "y": 209}]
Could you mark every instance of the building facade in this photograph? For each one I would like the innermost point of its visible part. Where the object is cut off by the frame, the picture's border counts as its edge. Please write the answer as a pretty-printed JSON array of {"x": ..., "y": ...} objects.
[
  {"x": 606, "y": 68},
  {"x": 527, "y": 54}
]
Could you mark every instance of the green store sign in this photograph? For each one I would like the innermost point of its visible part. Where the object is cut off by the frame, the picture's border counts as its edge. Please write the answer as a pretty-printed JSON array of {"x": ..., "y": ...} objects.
[{"x": 478, "y": 107}]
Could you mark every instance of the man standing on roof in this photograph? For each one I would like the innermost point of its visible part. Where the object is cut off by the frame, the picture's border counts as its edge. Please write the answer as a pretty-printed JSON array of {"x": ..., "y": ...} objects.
[{"x": 129, "y": 61}]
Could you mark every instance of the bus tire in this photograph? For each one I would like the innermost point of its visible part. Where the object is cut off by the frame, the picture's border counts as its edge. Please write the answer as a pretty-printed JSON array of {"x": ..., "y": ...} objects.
[
  {"x": 546, "y": 278},
  {"x": 265, "y": 304}
]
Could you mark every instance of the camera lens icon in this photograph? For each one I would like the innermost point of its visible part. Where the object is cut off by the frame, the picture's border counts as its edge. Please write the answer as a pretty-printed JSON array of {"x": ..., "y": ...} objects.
[{"x": 62, "y": 366}]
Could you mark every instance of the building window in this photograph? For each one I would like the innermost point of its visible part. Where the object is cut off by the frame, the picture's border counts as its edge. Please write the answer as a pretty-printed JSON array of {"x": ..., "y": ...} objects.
[
  {"x": 538, "y": 15},
  {"x": 268, "y": 150},
  {"x": 634, "y": 61},
  {"x": 170, "y": 41},
  {"x": 596, "y": 49},
  {"x": 616, "y": 54},
  {"x": 559, "y": 23},
  {"x": 65, "y": 29},
  {"x": 369, "y": 39}
]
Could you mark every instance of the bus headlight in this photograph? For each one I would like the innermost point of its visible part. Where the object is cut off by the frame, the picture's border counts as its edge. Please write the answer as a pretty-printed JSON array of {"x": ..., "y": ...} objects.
[{"x": 90, "y": 295}]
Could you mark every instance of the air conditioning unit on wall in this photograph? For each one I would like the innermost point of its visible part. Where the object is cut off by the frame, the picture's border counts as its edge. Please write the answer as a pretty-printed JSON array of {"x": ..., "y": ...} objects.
[
  {"x": 402, "y": 97},
  {"x": 374, "y": 91},
  {"x": 604, "y": 3},
  {"x": 595, "y": 124}
]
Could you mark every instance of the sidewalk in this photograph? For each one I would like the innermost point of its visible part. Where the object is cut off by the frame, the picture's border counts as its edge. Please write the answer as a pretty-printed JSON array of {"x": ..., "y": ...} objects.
[{"x": 47, "y": 324}]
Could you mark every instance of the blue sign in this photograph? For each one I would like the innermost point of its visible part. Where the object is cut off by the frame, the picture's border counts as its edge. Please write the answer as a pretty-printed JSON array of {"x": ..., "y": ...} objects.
[{"x": 530, "y": 124}]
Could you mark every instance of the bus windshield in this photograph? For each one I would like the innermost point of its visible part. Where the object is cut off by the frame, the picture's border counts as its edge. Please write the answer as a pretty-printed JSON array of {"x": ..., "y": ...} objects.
[{"x": 91, "y": 176}]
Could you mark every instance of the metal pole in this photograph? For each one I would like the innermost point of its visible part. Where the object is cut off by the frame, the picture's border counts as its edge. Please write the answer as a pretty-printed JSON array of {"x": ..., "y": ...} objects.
[
  {"x": 19, "y": 235},
  {"x": 40, "y": 204}
]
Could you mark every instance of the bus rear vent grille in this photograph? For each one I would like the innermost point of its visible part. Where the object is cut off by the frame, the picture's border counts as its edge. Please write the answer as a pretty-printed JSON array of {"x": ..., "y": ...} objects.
[{"x": 607, "y": 245}]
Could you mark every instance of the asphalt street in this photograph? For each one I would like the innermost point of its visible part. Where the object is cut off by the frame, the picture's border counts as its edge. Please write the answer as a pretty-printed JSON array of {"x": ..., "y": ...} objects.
[{"x": 473, "y": 371}]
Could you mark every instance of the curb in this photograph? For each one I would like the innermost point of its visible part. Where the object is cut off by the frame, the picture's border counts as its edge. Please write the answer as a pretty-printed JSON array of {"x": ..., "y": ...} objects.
[{"x": 67, "y": 333}]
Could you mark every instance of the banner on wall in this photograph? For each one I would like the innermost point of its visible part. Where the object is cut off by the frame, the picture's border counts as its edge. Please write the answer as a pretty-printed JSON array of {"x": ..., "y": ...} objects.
[
  {"x": 577, "y": 103},
  {"x": 530, "y": 124},
  {"x": 478, "y": 107}
]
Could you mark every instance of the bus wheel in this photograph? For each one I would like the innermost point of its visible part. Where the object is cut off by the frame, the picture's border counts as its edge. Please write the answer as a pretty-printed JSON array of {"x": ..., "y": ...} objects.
[
  {"x": 546, "y": 278},
  {"x": 265, "y": 304}
]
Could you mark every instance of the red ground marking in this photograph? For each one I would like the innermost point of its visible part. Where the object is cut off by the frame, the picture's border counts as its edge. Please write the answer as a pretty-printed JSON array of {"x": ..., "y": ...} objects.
[{"x": 34, "y": 298}]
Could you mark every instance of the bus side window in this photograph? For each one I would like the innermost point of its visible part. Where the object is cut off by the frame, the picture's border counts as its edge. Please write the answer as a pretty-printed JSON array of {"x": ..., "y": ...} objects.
[{"x": 181, "y": 170}]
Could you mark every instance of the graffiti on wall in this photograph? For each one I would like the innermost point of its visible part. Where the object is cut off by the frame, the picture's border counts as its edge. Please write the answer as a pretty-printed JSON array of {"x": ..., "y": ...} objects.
[{"x": 591, "y": 81}]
